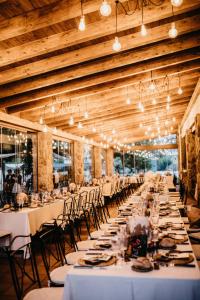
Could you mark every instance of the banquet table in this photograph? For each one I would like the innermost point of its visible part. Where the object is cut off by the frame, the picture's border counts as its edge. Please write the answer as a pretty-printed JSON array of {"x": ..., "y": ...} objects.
[
  {"x": 120, "y": 282},
  {"x": 28, "y": 220}
]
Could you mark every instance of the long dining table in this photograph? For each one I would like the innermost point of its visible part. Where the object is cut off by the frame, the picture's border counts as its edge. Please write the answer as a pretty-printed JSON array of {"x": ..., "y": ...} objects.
[
  {"x": 120, "y": 282},
  {"x": 28, "y": 220}
]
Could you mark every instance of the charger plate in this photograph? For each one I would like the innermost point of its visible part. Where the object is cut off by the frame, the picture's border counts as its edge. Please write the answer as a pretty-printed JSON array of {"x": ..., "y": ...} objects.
[{"x": 111, "y": 261}]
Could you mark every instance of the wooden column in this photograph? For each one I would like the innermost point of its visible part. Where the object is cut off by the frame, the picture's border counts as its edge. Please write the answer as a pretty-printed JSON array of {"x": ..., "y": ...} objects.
[
  {"x": 109, "y": 162},
  {"x": 45, "y": 162},
  {"x": 191, "y": 162},
  {"x": 97, "y": 162},
  {"x": 78, "y": 162},
  {"x": 197, "y": 148}
]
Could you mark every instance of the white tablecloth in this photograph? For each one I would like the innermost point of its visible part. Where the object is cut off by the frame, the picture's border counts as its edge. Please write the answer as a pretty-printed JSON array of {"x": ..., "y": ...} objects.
[
  {"x": 122, "y": 283},
  {"x": 28, "y": 220}
]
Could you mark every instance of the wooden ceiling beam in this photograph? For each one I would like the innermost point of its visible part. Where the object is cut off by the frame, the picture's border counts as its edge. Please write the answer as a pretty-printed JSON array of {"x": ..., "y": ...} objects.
[
  {"x": 134, "y": 69},
  {"x": 84, "y": 54},
  {"x": 97, "y": 29},
  {"x": 94, "y": 85},
  {"x": 44, "y": 17},
  {"x": 103, "y": 108},
  {"x": 111, "y": 109},
  {"x": 127, "y": 114}
]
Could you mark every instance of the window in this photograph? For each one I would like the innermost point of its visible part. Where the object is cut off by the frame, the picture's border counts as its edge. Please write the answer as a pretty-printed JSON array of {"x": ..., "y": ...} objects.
[
  {"x": 17, "y": 162},
  {"x": 62, "y": 163},
  {"x": 103, "y": 162},
  {"x": 87, "y": 157}
]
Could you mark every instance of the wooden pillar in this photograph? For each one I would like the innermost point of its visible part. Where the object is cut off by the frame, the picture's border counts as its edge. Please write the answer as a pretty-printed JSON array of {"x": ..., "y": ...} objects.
[
  {"x": 45, "y": 162},
  {"x": 109, "y": 162},
  {"x": 197, "y": 156},
  {"x": 97, "y": 162},
  {"x": 191, "y": 162},
  {"x": 78, "y": 162}
]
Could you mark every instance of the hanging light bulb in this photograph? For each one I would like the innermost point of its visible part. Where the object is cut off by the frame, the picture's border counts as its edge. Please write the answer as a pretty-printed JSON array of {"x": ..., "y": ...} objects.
[
  {"x": 180, "y": 91},
  {"x": 94, "y": 129},
  {"x": 105, "y": 8},
  {"x": 174, "y": 119},
  {"x": 152, "y": 86},
  {"x": 55, "y": 130},
  {"x": 81, "y": 26},
  {"x": 176, "y": 2},
  {"x": 154, "y": 101},
  {"x": 166, "y": 122},
  {"x": 116, "y": 45},
  {"x": 168, "y": 98},
  {"x": 113, "y": 131},
  {"x": 80, "y": 126},
  {"x": 53, "y": 109},
  {"x": 45, "y": 128},
  {"x": 143, "y": 30},
  {"x": 142, "y": 108},
  {"x": 86, "y": 115},
  {"x": 167, "y": 106},
  {"x": 71, "y": 121},
  {"x": 141, "y": 125},
  {"x": 128, "y": 101},
  {"x": 41, "y": 121},
  {"x": 149, "y": 128},
  {"x": 171, "y": 128},
  {"x": 173, "y": 32}
]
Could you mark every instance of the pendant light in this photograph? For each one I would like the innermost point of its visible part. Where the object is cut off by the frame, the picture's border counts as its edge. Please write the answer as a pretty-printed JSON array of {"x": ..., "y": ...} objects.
[
  {"x": 105, "y": 8},
  {"x": 152, "y": 85},
  {"x": 71, "y": 121},
  {"x": 116, "y": 45},
  {"x": 180, "y": 90},
  {"x": 143, "y": 31},
  {"x": 80, "y": 125},
  {"x": 176, "y": 2},
  {"x": 82, "y": 26},
  {"x": 173, "y": 32},
  {"x": 128, "y": 100}
]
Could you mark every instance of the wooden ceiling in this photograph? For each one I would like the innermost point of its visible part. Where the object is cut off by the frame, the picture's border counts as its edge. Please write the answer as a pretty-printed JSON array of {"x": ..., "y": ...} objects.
[{"x": 45, "y": 60}]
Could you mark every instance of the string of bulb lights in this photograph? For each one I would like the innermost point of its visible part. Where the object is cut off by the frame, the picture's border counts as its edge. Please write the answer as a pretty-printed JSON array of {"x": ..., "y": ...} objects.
[
  {"x": 106, "y": 10},
  {"x": 148, "y": 131}
]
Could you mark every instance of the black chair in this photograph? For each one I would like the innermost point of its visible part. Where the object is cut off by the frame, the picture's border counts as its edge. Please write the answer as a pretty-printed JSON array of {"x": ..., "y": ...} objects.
[
  {"x": 22, "y": 265},
  {"x": 50, "y": 244}
]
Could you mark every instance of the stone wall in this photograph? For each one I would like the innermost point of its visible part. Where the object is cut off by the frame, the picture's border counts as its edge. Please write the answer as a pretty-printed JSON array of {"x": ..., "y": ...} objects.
[
  {"x": 97, "y": 162},
  {"x": 109, "y": 162},
  {"x": 78, "y": 162},
  {"x": 45, "y": 162},
  {"x": 191, "y": 162},
  {"x": 197, "y": 156}
]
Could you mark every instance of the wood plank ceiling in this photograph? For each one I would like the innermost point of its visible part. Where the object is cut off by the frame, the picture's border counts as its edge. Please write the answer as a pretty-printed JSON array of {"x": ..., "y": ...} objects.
[{"x": 50, "y": 70}]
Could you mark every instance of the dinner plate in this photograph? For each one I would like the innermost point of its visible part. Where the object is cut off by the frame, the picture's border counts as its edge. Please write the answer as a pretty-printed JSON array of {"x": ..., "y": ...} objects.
[
  {"x": 99, "y": 263},
  {"x": 139, "y": 266}
]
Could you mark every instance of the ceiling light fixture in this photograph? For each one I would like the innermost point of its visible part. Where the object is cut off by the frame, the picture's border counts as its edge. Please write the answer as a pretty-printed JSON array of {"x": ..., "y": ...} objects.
[
  {"x": 80, "y": 125},
  {"x": 180, "y": 90},
  {"x": 71, "y": 121},
  {"x": 173, "y": 32},
  {"x": 143, "y": 31},
  {"x": 152, "y": 85},
  {"x": 105, "y": 8},
  {"x": 116, "y": 45},
  {"x": 82, "y": 26},
  {"x": 176, "y": 2}
]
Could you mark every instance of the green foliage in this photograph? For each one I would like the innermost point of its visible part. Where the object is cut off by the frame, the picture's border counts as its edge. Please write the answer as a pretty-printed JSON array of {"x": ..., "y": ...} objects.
[{"x": 164, "y": 163}]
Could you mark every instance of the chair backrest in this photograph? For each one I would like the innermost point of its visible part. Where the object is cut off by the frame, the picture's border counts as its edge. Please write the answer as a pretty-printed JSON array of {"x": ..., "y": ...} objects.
[
  {"x": 23, "y": 265},
  {"x": 50, "y": 247}
]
